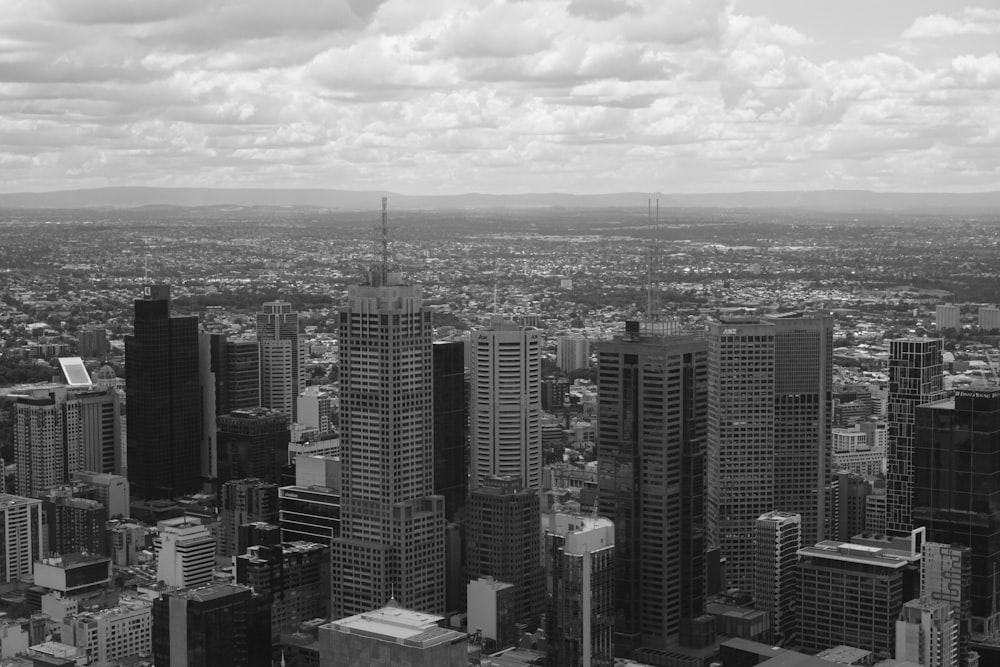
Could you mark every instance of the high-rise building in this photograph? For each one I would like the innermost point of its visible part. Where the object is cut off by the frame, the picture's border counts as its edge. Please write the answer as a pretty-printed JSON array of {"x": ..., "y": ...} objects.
[
  {"x": 491, "y": 612},
  {"x": 21, "y": 526},
  {"x": 580, "y": 569},
  {"x": 503, "y": 541},
  {"x": 572, "y": 353},
  {"x": 770, "y": 420},
  {"x": 956, "y": 490},
  {"x": 989, "y": 318},
  {"x": 927, "y": 634},
  {"x": 212, "y": 625},
  {"x": 59, "y": 429},
  {"x": 948, "y": 316},
  {"x": 505, "y": 410},
  {"x": 244, "y": 501},
  {"x": 392, "y": 527},
  {"x": 777, "y": 540},
  {"x": 235, "y": 363},
  {"x": 109, "y": 636},
  {"x": 185, "y": 553},
  {"x": 451, "y": 465},
  {"x": 93, "y": 341},
  {"x": 293, "y": 577},
  {"x": 650, "y": 454},
  {"x": 309, "y": 510},
  {"x": 74, "y": 524},
  {"x": 853, "y": 492},
  {"x": 282, "y": 358},
  {"x": 392, "y": 636},
  {"x": 162, "y": 384},
  {"x": 946, "y": 575},
  {"x": 852, "y": 594},
  {"x": 316, "y": 409},
  {"x": 915, "y": 378},
  {"x": 253, "y": 442}
]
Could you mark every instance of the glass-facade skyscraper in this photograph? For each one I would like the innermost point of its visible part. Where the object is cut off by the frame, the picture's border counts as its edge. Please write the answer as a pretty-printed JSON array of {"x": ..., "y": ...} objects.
[{"x": 163, "y": 391}]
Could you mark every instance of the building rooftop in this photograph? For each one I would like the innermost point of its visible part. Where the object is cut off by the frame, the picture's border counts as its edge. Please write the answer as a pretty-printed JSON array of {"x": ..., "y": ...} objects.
[
  {"x": 395, "y": 624},
  {"x": 212, "y": 591},
  {"x": 855, "y": 553}
]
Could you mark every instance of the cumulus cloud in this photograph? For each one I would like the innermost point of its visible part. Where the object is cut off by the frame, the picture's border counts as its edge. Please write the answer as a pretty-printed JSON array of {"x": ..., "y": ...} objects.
[{"x": 491, "y": 95}]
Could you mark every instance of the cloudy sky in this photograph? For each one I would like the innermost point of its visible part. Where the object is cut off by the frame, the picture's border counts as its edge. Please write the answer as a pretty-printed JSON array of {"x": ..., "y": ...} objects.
[{"x": 449, "y": 96}]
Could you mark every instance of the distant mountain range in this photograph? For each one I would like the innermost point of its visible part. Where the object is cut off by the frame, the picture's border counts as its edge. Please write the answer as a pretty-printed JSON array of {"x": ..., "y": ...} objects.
[{"x": 359, "y": 200}]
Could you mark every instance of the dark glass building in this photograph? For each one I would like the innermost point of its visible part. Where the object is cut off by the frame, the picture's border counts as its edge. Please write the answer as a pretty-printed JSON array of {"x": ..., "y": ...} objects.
[
  {"x": 956, "y": 490},
  {"x": 253, "y": 442},
  {"x": 163, "y": 393},
  {"x": 214, "y": 625},
  {"x": 451, "y": 466},
  {"x": 236, "y": 365},
  {"x": 650, "y": 455}
]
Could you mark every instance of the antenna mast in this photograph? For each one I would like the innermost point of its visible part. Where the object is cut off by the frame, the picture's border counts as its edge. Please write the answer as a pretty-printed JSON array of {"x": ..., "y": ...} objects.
[{"x": 379, "y": 272}]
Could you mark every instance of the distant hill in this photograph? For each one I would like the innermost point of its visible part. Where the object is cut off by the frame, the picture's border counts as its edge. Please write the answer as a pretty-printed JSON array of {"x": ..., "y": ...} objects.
[{"x": 355, "y": 200}]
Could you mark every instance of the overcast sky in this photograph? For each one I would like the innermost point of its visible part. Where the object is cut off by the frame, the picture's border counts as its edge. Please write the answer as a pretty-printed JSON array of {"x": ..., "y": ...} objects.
[{"x": 449, "y": 96}]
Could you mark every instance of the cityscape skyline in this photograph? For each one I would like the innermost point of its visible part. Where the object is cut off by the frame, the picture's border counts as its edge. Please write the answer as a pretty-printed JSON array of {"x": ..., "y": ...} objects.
[{"x": 455, "y": 96}]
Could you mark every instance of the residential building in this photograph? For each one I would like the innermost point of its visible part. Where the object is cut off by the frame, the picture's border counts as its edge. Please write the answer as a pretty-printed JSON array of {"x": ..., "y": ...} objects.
[
  {"x": 652, "y": 419},
  {"x": 580, "y": 570},
  {"x": 946, "y": 576},
  {"x": 212, "y": 625},
  {"x": 110, "y": 636},
  {"x": 948, "y": 316},
  {"x": 293, "y": 577},
  {"x": 505, "y": 409},
  {"x": 989, "y": 318},
  {"x": 777, "y": 540},
  {"x": 21, "y": 526},
  {"x": 162, "y": 385},
  {"x": 915, "y": 378},
  {"x": 927, "y": 634},
  {"x": 572, "y": 353},
  {"x": 282, "y": 358},
  {"x": 73, "y": 523}
]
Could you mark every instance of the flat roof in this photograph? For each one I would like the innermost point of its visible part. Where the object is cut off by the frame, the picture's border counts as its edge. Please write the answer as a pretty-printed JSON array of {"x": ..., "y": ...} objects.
[
  {"x": 399, "y": 625},
  {"x": 855, "y": 553}
]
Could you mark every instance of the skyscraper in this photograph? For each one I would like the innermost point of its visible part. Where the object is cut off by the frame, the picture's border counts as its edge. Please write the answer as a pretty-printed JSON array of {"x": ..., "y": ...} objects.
[
  {"x": 21, "y": 526},
  {"x": 770, "y": 421},
  {"x": 776, "y": 579},
  {"x": 956, "y": 490},
  {"x": 392, "y": 528},
  {"x": 451, "y": 468},
  {"x": 282, "y": 357},
  {"x": 505, "y": 412},
  {"x": 580, "y": 569},
  {"x": 650, "y": 453},
  {"x": 572, "y": 353},
  {"x": 927, "y": 634},
  {"x": 244, "y": 501},
  {"x": 915, "y": 378},
  {"x": 164, "y": 400},
  {"x": 212, "y": 625}
]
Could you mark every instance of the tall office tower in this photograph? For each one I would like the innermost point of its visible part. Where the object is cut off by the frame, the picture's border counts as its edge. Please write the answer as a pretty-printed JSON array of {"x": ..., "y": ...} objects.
[
  {"x": 572, "y": 353},
  {"x": 253, "y": 442},
  {"x": 59, "y": 429},
  {"x": 956, "y": 490},
  {"x": 185, "y": 553},
  {"x": 852, "y": 593},
  {"x": 235, "y": 362},
  {"x": 21, "y": 526},
  {"x": 244, "y": 501},
  {"x": 213, "y": 625},
  {"x": 503, "y": 541},
  {"x": 650, "y": 456},
  {"x": 309, "y": 510},
  {"x": 853, "y": 492},
  {"x": 989, "y": 318},
  {"x": 505, "y": 410},
  {"x": 74, "y": 524},
  {"x": 282, "y": 358},
  {"x": 927, "y": 634},
  {"x": 293, "y": 577},
  {"x": 946, "y": 575},
  {"x": 948, "y": 316},
  {"x": 777, "y": 540},
  {"x": 392, "y": 527},
  {"x": 162, "y": 386},
  {"x": 770, "y": 419},
  {"x": 580, "y": 568},
  {"x": 451, "y": 467},
  {"x": 915, "y": 378}
]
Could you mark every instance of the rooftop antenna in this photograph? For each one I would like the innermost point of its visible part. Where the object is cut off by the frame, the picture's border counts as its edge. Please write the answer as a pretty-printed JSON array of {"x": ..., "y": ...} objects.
[
  {"x": 145, "y": 269},
  {"x": 649, "y": 258},
  {"x": 380, "y": 271}
]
